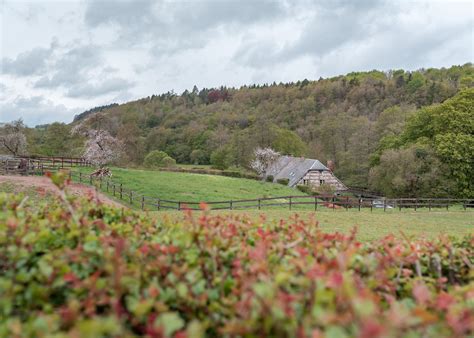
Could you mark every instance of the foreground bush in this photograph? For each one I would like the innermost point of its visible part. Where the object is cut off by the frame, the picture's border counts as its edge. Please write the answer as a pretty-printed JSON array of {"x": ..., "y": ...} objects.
[{"x": 86, "y": 270}]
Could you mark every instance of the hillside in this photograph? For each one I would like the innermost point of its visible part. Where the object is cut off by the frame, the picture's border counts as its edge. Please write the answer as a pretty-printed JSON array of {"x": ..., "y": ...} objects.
[{"x": 341, "y": 119}]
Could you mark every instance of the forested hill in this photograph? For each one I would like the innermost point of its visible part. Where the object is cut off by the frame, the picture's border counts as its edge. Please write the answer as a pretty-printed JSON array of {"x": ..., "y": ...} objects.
[{"x": 341, "y": 118}]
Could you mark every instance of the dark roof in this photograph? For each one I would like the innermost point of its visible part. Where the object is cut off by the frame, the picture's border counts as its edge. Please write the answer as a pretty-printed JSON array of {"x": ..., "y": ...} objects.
[{"x": 293, "y": 168}]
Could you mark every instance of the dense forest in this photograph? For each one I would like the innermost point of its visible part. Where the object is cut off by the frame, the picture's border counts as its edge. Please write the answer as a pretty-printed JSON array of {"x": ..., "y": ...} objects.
[{"x": 367, "y": 123}]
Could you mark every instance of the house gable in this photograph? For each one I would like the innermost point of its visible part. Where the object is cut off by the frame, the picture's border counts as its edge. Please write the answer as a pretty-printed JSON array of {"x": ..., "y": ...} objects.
[{"x": 297, "y": 169}]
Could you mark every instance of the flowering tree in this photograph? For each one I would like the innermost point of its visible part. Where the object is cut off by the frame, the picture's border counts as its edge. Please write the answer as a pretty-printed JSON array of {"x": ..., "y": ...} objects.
[
  {"x": 12, "y": 138},
  {"x": 263, "y": 159},
  {"x": 101, "y": 148}
]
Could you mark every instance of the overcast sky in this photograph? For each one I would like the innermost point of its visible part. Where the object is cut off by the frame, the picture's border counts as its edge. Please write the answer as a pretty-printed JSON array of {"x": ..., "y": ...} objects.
[{"x": 59, "y": 58}]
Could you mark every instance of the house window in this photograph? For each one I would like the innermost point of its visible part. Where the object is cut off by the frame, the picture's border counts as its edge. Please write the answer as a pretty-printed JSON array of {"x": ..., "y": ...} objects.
[{"x": 321, "y": 182}]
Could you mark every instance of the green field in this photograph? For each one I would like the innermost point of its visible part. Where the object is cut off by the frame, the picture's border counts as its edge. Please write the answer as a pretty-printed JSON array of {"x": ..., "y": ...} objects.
[
  {"x": 370, "y": 225},
  {"x": 195, "y": 187}
]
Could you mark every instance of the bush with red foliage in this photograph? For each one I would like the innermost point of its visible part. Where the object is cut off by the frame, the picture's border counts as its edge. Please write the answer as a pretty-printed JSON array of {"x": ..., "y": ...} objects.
[{"x": 85, "y": 270}]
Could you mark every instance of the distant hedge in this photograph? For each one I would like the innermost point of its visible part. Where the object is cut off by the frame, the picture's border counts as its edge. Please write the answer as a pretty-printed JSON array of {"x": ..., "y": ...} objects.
[{"x": 228, "y": 173}]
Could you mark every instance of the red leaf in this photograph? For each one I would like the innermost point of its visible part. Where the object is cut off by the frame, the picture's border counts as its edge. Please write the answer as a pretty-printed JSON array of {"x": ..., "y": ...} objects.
[{"x": 421, "y": 293}]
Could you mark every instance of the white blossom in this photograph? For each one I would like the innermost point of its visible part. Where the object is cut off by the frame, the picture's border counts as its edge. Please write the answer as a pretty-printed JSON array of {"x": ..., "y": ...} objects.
[
  {"x": 263, "y": 159},
  {"x": 101, "y": 148},
  {"x": 12, "y": 138}
]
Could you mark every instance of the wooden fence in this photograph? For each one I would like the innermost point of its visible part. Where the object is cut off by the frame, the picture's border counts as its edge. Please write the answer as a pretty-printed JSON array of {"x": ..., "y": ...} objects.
[
  {"x": 320, "y": 202},
  {"x": 33, "y": 164},
  {"x": 57, "y": 161},
  {"x": 135, "y": 199}
]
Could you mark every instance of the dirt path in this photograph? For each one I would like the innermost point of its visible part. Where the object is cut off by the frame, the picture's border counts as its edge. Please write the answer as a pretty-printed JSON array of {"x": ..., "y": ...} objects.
[{"x": 45, "y": 184}]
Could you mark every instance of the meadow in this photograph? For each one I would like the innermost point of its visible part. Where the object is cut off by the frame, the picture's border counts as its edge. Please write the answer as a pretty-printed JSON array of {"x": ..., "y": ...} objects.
[
  {"x": 370, "y": 225},
  {"x": 194, "y": 187}
]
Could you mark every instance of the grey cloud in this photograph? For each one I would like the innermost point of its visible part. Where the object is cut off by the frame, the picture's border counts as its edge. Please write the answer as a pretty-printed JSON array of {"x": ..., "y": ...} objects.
[
  {"x": 71, "y": 67},
  {"x": 27, "y": 63},
  {"x": 35, "y": 110},
  {"x": 88, "y": 90},
  {"x": 123, "y": 13},
  {"x": 175, "y": 26},
  {"x": 388, "y": 29}
]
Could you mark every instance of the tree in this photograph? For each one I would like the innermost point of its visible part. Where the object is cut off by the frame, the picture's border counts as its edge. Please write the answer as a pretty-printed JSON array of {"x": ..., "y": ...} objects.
[
  {"x": 220, "y": 158},
  {"x": 449, "y": 129},
  {"x": 288, "y": 142},
  {"x": 410, "y": 172},
  {"x": 199, "y": 156},
  {"x": 264, "y": 158},
  {"x": 13, "y": 139},
  {"x": 101, "y": 148},
  {"x": 58, "y": 140}
]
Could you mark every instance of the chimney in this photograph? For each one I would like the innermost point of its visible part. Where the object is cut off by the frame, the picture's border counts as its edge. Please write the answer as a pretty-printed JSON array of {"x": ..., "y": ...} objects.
[{"x": 330, "y": 165}]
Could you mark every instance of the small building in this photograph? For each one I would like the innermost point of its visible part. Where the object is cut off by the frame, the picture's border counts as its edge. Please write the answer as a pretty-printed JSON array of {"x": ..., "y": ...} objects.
[{"x": 304, "y": 171}]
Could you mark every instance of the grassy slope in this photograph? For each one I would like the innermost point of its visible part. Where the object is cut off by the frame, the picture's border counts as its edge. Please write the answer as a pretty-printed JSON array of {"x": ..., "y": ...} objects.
[
  {"x": 196, "y": 187},
  {"x": 376, "y": 224}
]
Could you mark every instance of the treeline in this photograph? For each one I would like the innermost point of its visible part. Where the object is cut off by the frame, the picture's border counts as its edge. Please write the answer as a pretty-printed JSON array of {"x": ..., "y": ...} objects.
[{"x": 350, "y": 119}]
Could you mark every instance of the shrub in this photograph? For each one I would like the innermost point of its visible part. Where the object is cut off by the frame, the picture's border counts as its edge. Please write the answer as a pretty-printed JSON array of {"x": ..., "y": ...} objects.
[
  {"x": 168, "y": 162},
  {"x": 269, "y": 178},
  {"x": 76, "y": 268},
  {"x": 324, "y": 189},
  {"x": 304, "y": 188},
  {"x": 283, "y": 181},
  {"x": 157, "y": 158}
]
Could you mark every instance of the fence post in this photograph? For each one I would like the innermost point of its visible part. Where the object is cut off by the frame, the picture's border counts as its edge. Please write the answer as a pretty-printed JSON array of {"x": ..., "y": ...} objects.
[
  {"x": 290, "y": 203},
  {"x": 80, "y": 177},
  {"x": 230, "y": 205},
  {"x": 90, "y": 179},
  {"x": 158, "y": 204},
  {"x": 42, "y": 169},
  {"x": 447, "y": 205},
  {"x": 400, "y": 205},
  {"x": 347, "y": 203},
  {"x": 121, "y": 191},
  {"x": 179, "y": 205},
  {"x": 416, "y": 203},
  {"x": 259, "y": 206},
  {"x": 464, "y": 202},
  {"x": 315, "y": 203},
  {"x": 429, "y": 205},
  {"x": 100, "y": 183},
  {"x": 384, "y": 204},
  {"x": 107, "y": 186},
  {"x": 143, "y": 203},
  {"x": 360, "y": 201},
  {"x": 113, "y": 187}
]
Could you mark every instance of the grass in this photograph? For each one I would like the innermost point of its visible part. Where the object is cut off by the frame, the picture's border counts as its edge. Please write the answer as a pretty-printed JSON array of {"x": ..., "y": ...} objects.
[
  {"x": 371, "y": 225},
  {"x": 30, "y": 192},
  {"x": 195, "y": 187}
]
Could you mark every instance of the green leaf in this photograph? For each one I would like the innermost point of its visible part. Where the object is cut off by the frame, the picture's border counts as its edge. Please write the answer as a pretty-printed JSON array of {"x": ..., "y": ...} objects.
[{"x": 170, "y": 322}]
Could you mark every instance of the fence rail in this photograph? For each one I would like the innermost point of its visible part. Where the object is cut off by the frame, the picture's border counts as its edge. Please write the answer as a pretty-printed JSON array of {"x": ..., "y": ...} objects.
[{"x": 315, "y": 203}]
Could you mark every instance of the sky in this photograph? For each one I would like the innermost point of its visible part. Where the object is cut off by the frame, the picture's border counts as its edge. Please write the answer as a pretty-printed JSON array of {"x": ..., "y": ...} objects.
[{"x": 59, "y": 58}]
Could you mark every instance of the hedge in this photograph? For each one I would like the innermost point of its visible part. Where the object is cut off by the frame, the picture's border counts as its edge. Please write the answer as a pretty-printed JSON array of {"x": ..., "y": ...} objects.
[{"x": 74, "y": 268}]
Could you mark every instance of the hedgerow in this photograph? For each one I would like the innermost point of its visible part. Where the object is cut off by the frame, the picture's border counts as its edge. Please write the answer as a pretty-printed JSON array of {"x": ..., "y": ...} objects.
[{"x": 80, "y": 269}]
